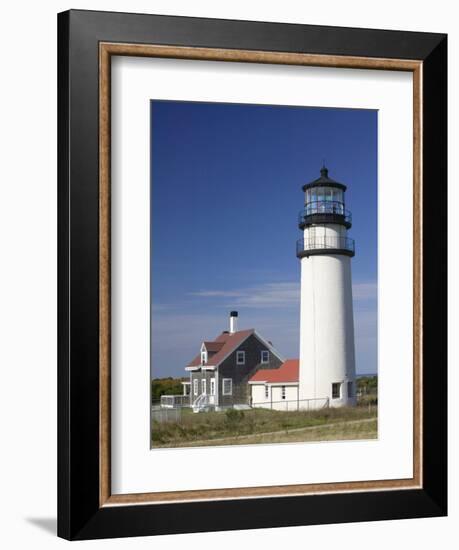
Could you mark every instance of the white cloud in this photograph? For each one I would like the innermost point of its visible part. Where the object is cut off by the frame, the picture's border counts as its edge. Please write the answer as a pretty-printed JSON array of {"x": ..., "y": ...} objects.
[
  {"x": 281, "y": 294},
  {"x": 216, "y": 293},
  {"x": 267, "y": 295}
]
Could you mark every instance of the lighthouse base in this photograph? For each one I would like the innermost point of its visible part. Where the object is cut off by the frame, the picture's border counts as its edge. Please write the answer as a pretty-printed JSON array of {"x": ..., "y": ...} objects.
[{"x": 327, "y": 356}]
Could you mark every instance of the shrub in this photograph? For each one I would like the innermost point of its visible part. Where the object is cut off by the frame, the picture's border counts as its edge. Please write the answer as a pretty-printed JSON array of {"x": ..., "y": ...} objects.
[{"x": 233, "y": 417}]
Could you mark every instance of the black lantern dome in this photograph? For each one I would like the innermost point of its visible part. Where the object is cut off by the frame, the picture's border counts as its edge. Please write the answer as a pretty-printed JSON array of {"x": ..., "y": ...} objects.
[
  {"x": 324, "y": 202},
  {"x": 324, "y": 181}
]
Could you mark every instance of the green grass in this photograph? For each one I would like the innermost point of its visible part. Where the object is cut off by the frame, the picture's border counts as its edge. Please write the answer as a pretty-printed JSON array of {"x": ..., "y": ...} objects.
[
  {"x": 255, "y": 426},
  {"x": 350, "y": 430}
]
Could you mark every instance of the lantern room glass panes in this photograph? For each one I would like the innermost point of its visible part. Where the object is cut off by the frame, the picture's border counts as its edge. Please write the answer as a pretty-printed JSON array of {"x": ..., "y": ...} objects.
[
  {"x": 324, "y": 200},
  {"x": 320, "y": 194},
  {"x": 337, "y": 195}
]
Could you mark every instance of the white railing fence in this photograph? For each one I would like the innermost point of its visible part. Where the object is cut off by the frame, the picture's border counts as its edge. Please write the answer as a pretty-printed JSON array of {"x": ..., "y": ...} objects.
[
  {"x": 162, "y": 415},
  {"x": 294, "y": 405},
  {"x": 174, "y": 401},
  {"x": 206, "y": 402}
]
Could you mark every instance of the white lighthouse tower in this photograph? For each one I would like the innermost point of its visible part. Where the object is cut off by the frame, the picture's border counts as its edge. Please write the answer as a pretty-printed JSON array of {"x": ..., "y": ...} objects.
[{"x": 327, "y": 354}]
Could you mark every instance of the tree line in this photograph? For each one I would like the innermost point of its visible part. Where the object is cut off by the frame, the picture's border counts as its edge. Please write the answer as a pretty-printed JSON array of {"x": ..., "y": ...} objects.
[
  {"x": 367, "y": 385},
  {"x": 166, "y": 386}
]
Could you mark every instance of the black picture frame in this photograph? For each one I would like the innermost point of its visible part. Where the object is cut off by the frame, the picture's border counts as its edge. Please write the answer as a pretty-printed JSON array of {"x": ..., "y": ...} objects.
[{"x": 80, "y": 515}]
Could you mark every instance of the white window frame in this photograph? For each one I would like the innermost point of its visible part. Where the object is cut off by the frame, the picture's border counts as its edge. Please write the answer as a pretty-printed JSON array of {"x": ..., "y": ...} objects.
[
  {"x": 238, "y": 362},
  {"x": 283, "y": 392},
  {"x": 195, "y": 386},
  {"x": 203, "y": 385},
  {"x": 339, "y": 390},
  {"x": 212, "y": 386},
  {"x": 204, "y": 357},
  {"x": 230, "y": 380},
  {"x": 264, "y": 353}
]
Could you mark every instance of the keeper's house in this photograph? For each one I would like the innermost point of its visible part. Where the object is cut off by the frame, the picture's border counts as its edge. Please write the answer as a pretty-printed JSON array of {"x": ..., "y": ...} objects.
[
  {"x": 220, "y": 374},
  {"x": 237, "y": 370}
]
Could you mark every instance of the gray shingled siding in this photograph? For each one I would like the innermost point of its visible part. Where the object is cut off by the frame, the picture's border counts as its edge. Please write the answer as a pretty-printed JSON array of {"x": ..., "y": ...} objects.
[
  {"x": 199, "y": 375},
  {"x": 240, "y": 374}
]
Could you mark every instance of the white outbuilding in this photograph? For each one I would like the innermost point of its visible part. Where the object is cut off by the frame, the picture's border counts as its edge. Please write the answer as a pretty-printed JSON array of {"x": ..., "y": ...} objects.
[{"x": 276, "y": 389}]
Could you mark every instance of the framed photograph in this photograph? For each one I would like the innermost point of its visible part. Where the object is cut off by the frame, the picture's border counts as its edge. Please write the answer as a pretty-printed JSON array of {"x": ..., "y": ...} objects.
[{"x": 252, "y": 274}]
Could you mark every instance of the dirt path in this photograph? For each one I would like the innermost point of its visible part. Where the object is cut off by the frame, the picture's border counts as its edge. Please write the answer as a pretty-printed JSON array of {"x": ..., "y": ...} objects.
[{"x": 267, "y": 434}]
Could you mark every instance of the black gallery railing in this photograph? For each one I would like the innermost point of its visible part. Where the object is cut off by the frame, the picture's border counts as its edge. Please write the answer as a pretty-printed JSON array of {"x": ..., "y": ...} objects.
[
  {"x": 333, "y": 208},
  {"x": 326, "y": 242}
]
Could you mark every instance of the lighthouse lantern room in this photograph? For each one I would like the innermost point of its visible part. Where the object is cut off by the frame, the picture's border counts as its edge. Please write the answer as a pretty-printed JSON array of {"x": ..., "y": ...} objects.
[{"x": 327, "y": 354}]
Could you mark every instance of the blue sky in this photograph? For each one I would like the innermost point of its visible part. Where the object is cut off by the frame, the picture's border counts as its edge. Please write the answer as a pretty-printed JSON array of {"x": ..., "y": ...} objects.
[{"x": 226, "y": 191}]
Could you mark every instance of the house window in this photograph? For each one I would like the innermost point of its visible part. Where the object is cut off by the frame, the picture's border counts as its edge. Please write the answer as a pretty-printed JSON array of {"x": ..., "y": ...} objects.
[
  {"x": 203, "y": 385},
  {"x": 227, "y": 386},
  {"x": 240, "y": 357},
  {"x": 265, "y": 356},
  {"x": 195, "y": 386},
  {"x": 203, "y": 357},
  {"x": 350, "y": 389},
  {"x": 266, "y": 392},
  {"x": 283, "y": 392},
  {"x": 336, "y": 390},
  {"x": 212, "y": 386}
]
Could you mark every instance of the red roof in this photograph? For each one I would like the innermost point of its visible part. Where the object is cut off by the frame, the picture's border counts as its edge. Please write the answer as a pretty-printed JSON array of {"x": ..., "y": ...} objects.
[
  {"x": 287, "y": 372},
  {"x": 229, "y": 342},
  {"x": 213, "y": 346}
]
